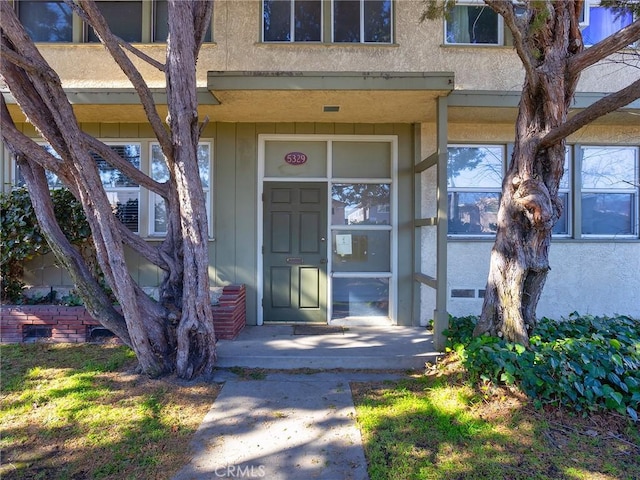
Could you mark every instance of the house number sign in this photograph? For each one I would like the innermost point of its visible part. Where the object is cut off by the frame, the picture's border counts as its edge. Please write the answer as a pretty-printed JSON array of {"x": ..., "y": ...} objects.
[{"x": 295, "y": 158}]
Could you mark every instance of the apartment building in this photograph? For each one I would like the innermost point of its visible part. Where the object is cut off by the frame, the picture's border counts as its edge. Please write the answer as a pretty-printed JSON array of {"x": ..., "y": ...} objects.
[{"x": 336, "y": 130}]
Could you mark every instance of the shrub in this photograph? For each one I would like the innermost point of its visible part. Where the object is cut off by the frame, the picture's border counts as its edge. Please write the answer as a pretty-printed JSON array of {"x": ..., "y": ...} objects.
[
  {"x": 21, "y": 238},
  {"x": 585, "y": 363}
]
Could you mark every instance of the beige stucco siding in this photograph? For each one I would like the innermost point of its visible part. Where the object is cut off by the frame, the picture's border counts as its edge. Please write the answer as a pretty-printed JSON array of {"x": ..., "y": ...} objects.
[{"x": 418, "y": 47}]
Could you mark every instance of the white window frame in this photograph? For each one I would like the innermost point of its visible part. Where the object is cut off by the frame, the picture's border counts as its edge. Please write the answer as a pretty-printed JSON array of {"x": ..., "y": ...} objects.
[
  {"x": 208, "y": 191},
  {"x": 633, "y": 189},
  {"x": 362, "y": 29},
  {"x": 292, "y": 26},
  {"x": 498, "y": 189},
  {"x": 500, "y": 26}
]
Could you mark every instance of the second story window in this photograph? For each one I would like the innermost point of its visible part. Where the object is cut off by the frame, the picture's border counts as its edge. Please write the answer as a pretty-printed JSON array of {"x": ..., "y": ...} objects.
[
  {"x": 339, "y": 21},
  {"x": 599, "y": 22},
  {"x": 46, "y": 21},
  {"x": 292, "y": 20},
  {"x": 473, "y": 24},
  {"x": 124, "y": 18},
  {"x": 362, "y": 21}
]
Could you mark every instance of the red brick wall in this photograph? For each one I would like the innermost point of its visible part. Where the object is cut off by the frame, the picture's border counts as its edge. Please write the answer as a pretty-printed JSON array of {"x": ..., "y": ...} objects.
[{"x": 73, "y": 324}]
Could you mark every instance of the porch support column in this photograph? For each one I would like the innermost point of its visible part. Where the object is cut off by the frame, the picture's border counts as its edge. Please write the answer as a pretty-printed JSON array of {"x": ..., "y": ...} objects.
[{"x": 440, "y": 314}]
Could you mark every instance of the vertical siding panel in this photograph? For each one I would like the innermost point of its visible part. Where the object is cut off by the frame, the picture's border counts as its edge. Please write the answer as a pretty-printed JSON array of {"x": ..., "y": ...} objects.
[
  {"x": 224, "y": 203},
  {"x": 284, "y": 128},
  {"x": 91, "y": 128},
  {"x": 325, "y": 128},
  {"x": 384, "y": 129},
  {"x": 265, "y": 128},
  {"x": 145, "y": 131},
  {"x": 363, "y": 129},
  {"x": 246, "y": 204},
  {"x": 305, "y": 128},
  {"x": 110, "y": 130},
  {"x": 344, "y": 129},
  {"x": 129, "y": 130}
]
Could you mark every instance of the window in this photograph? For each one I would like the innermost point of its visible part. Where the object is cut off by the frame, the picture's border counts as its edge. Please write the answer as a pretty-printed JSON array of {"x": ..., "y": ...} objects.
[
  {"x": 352, "y": 21},
  {"x": 292, "y": 20},
  {"x": 474, "y": 179},
  {"x": 362, "y": 21},
  {"x": 600, "y": 22},
  {"x": 123, "y": 17},
  {"x": 609, "y": 193},
  {"x": 161, "y": 20},
  {"x": 46, "y": 21},
  {"x": 473, "y": 24},
  {"x": 123, "y": 193},
  {"x": 562, "y": 226},
  {"x": 159, "y": 172},
  {"x": 131, "y": 20}
]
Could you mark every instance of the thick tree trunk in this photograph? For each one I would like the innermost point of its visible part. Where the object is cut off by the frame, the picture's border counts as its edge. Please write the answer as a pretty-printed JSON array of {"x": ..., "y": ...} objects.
[
  {"x": 196, "y": 342},
  {"x": 529, "y": 206}
]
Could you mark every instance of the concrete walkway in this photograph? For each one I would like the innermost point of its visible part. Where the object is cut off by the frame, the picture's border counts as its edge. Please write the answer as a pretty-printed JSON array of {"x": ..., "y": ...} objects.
[{"x": 300, "y": 424}]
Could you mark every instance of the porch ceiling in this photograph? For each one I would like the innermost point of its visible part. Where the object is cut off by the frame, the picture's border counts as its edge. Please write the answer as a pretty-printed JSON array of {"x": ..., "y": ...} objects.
[{"x": 358, "y": 97}]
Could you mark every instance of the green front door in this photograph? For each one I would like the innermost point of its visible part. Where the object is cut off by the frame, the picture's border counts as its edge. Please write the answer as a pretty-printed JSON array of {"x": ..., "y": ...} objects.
[{"x": 295, "y": 252}]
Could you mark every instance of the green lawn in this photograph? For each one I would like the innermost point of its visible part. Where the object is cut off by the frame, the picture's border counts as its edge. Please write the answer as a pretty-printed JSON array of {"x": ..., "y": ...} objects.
[
  {"x": 439, "y": 426},
  {"x": 78, "y": 411}
]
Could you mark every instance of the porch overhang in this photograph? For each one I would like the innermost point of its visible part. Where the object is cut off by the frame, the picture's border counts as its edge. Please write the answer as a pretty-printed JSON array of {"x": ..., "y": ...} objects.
[
  {"x": 334, "y": 97},
  {"x": 482, "y": 106}
]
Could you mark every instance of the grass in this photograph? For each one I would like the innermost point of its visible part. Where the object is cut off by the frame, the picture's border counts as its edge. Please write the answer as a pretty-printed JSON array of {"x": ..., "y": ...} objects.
[
  {"x": 78, "y": 411},
  {"x": 441, "y": 426}
]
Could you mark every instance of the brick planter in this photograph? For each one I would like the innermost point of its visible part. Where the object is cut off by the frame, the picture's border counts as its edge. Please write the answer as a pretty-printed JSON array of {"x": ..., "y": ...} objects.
[{"x": 60, "y": 324}]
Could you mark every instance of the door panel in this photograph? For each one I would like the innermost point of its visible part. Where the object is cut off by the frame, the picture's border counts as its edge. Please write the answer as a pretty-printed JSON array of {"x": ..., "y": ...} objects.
[{"x": 295, "y": 252}]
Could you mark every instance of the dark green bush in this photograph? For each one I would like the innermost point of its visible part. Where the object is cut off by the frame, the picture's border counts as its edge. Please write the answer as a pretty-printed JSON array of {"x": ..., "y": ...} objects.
[
  {"x": 21, "y": 238},
  {"x": 585, "y": 363}
]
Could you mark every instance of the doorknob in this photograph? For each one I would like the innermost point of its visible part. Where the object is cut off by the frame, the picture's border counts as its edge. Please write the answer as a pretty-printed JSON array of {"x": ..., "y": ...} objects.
[
  {"x": 322, "y": 239},
  {"x": 323, "y": 261}
]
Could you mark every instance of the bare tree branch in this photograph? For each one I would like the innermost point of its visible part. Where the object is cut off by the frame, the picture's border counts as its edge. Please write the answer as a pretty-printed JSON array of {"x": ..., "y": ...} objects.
[
  {"x": 518, "y": 30},
  {"x": 598, "y": 109},
  {"x": 88, "y": 10},
  {"x": 608, "y": 46},
  {"x": 126, "y": 45}
]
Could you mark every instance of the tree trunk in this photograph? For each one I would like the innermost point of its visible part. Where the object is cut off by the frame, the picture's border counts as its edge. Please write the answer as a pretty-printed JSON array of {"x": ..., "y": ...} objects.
[
  {"x": 529, "y": 206},
  {"x": 196, "y": 342}
]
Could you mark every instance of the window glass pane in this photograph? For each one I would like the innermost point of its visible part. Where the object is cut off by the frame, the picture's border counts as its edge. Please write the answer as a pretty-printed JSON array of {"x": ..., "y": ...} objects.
[
  {"x": 203, "y": 164},
  {"x": 159, "y": 215},
  {"x": 607, "y": 213},
  {"x": 473, "y": 213},
  {"x": 360, "y": 204},
  {"x": 472, "y": 24},
  {"x": 308, "y": 21},
  {"x": 125, "y": 207},
  {"x": 295, "y": 159},
  {"x": 477, "y": 167},
  {"x": 46, "y": 21},
  {"x": 123, "y": 17},
  {"x": 610, "y": 168},
  {"x": 604, "y": 22},
  {"x": 346, "y": 21},
  {"x": 361, "y": 159},
  {"x": 277, "y": 20},
  {"x": 377, "y": 21},
  {"x": 112, "y": 177},
  {"x": 160, "y": 22},
  {"x": 562, "y": 225},
  {"x": 122, "y": 191},
  {"x": 361, "y": 251},
  {"x": 160, "y": 173},
  {"x": 359, "y": 297}
]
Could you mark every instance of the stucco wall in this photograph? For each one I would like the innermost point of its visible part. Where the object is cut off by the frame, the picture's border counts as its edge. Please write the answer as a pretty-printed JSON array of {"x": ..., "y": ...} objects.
[
  {"x": 587, "y": 277},
  {"x": 236, "y": 32}
]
